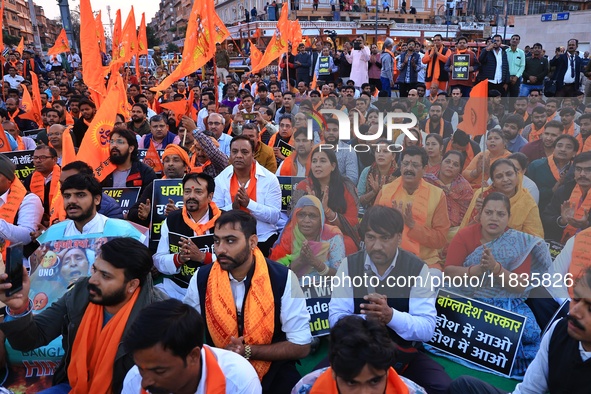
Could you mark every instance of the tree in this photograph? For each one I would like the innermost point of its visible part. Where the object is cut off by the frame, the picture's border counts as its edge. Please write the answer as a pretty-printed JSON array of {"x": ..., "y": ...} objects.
[
  {"x": 9, "y": 40},
  {"x": 153, "y": 39},
  {"x": 172, "y": 47}
]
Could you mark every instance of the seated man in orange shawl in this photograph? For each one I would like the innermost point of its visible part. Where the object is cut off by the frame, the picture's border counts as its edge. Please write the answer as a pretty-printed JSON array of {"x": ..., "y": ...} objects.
[
  {"x": 99, "y": 310},
  {"x": 252, "y": 306},
  {"x": 361, "y": 354}
]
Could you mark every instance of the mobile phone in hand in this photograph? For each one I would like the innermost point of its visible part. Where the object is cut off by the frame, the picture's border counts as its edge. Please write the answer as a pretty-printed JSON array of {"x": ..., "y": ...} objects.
[{"x": 14, "y": 268}]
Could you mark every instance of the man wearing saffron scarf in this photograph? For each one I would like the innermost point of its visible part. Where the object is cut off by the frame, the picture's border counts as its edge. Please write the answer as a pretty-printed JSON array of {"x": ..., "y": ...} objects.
[
  {"x": 23, "y": 143},
  {"x": 534, "y": 130},
  {"x": 423, "y": 205},
  {"x": 360, "y": 358},
  {"x": 543, "y": 146},
  {"x": 197, "y": 218},
  {"x": 160, "y": 135},
  {"x": 408, "y": 312},
  {"x": 168, "y": 335},
  {"x": 248, "y": 186},
  {"x": 297, "y": 163},
  {"x": 264, "y": 318},
  {"x": 87, "y": 112},
  {"x": 44, "y": 181},
  {"x": 92, "y": 318},
  {"x": 435, "y": 59},
  {"x": 465, "y": 85},
  {"x": 435, "y": 122}
]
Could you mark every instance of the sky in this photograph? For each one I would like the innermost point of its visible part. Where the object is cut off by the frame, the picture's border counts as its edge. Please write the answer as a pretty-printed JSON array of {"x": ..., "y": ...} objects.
[{"x": 150, "y": 7}]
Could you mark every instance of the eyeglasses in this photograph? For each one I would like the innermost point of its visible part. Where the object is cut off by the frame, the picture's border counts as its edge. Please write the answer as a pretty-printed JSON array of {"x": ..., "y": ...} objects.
[
  {"x": 583, "y": 169},
  {"x": 42, "y": 158},
  {"x": 118, "y": 141}
]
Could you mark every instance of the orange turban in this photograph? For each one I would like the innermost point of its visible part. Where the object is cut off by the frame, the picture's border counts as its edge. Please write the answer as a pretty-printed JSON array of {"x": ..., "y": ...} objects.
[{"x": 172, "y": 149}]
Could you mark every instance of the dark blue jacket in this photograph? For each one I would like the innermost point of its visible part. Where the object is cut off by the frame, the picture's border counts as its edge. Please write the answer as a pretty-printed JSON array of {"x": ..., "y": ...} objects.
[
  {"x": 561, "y": 64},
  {"x": 488, "y": 66},
  {"x": 110, "y": 207}
]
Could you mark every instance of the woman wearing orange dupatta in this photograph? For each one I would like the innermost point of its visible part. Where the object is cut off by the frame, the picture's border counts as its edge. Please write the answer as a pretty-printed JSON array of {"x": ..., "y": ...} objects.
[
  {"x": 360, "y": 356},
  {"x": 496, "y": 148}
]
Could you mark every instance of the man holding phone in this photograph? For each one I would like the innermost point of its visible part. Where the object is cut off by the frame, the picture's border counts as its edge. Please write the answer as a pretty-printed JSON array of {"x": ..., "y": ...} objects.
[{"x": 359, "y": 60}]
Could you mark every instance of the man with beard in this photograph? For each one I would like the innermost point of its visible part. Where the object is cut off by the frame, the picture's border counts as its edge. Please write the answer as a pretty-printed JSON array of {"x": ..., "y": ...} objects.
[
  {"x": 289, "y": 107},
  {"x": 130, "y": 172},
  {"x": 534, "y": 130},
  {"x": 197, "y": 218},
  {"x": 568, "y": 211},
  {"x": 267, "y": 320},
  {"x": 423, "y": 206},
  {"x": 408, "y": 64},
  {"x": 44, "y": 181},
  {"x": 249, "y": 186},
  {"x": 175, "y": 164},
  {"x": 15, "y": 115},
  {"x": 87, "y": 112},
  {"x": 346, "y": 156},
  {"x": 435, "y": 122},
  {"x": 562, "y": 362},
  {"x": 512, "y": 126},
  {"x": 567, "y": 117},
  {"x": 297, "y": 163},
  {"x": 139, "y": 120},
  {"x": 94, "y": 360},
  {"x": 408, "y": 312},
  {"x": 168, "y": 336},
  {"x": 544, "y": 146},
  {"x": 585, "y": 132}
]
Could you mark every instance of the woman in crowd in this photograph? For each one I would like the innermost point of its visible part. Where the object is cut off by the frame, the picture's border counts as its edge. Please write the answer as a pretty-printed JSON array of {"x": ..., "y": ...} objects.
[
  {"x": 375, "y": 176},
  {"x": 406, "y": 142},
  {"x": 506, "y": 180},
  {"x": 336, "y": 192},
  {"x": 457, "y": 189},
  {"x": 489, "y": 247},
  {"x": 434, "y": 148},
  {"x": 496, "y": 148},
  {"x": 308, "y": 245}
]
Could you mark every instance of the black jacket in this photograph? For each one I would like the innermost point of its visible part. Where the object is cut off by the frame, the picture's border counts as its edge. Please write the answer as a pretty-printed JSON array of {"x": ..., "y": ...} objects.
[
  {"x": 552, "y": 211},
  {"x": 561, "y": 64},
  {"x": 140, "y": 175},
  {"x": 488, "y": 66}
]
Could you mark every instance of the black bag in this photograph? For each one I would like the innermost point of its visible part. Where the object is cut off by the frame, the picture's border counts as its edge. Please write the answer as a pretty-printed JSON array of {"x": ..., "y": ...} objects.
[{"x": 549, "y": 88}]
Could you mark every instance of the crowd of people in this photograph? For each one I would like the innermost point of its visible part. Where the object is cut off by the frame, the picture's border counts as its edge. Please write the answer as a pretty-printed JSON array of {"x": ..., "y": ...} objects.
[{"x": 170, "y": 316}]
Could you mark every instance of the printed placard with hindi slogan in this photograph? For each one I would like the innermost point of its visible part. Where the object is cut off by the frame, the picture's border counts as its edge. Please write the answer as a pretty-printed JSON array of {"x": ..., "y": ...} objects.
[
  {"x": 23, "y": 160},
  {"x": 32, "y": 133},
  {"x": 317, "y": 299},
  {"x": 164, "y": 189},
  {"x": 203, "y": 242},
  {"x": 477, "y": 332},
  {"x": 288, "y": 185},
  {"x": 461, "y": 70},
  {"x": 285, "y": 148},
  {"x": 125, "y": 196}
]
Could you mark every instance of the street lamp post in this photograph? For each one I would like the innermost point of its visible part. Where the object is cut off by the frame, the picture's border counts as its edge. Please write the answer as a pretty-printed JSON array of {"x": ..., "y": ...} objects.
[
  {"x": 376, "y": 21},
  {"x": 506, "y": 18}
]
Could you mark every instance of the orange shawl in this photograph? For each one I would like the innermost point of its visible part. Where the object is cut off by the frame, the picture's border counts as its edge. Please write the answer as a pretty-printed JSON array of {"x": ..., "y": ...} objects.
[
  {"x": 20, "y": 143},
  {"x": 326, "y": 384},
  {"x": 535, "y": 134},
  {"x": 553, "y": 168},
  {"x": 290, "y": 167},
  {"x": 252, "y": 186},
  {"x": 441, "y": 124},
  {"x": 215, "y": 380},
  {"x": 580, "y": 257},
  {"x": 57, "y": 210},
  {"x": 201, "y": 229},
  {"x": 582, "y": 206},
  {"x": 258, "y": 309},
  {"x": 38, "y": 183},
  {"x": 8, "y": 211},
  {"x": 95, "y": 347}
]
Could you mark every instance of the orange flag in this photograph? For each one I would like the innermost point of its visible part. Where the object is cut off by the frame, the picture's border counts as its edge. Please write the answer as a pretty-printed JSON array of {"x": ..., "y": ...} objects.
[
  {"x": 255, "y": 55},
  {"x": 178, "y": 108},
  {"x": 21, "y": 46},
  {"x": 278, "y": 44},
  {"x": 4, "y": 144},
  {"x": 128, "y": 46},
  {"x": 100, "y": 32},
  {"x": 199, "y": 40},
  {"x": 91, "y": 55},
  {"x": 116, "y": 83},
  {"x": 116, "y": 41},
  {"x": 476, "y": 111},
  {"x": 295, "y": 36},
  {"x": 61, "y": 44},
  {"x": 32, "y": 112},
  {"x": 36, "y": 92},
  {"x": 191, "y": 111},
  {"x": 95, "y": 147},
  {"x": 68, "y": 151},
  {"x": 142, "y": 37},
  {"x": 152, "y": 158},
  {"x": 221, "y": 32}
]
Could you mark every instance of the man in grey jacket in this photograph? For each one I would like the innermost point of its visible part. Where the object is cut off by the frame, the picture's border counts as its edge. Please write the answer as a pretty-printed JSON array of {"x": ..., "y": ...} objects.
[{"x": 387, "y": 72}]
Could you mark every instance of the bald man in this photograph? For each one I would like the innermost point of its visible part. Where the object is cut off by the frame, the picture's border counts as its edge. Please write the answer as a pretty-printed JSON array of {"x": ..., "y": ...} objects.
[{"x": 23, "y": 143}]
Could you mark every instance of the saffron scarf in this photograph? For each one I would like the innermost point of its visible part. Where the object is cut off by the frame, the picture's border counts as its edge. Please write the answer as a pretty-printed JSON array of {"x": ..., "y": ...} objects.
[
  {"x": 95, "y": 348},
  {"x": 535, "y": 134},
  {"x": 258, "y": 309},
  {"x": 580, "y": 256},
  {"x": 198, "y": 228},
  {"x": 420, "y": 205},
  {"x": 326, "y": 384},
  {"x": 38, "y": 183},
  {"x": 251, "y": 189},
  {"x": 553, "y": 168},
  {"x": 441, "y": 123},
  {"x": 215, "y": 380},
  {"x": 434, "y": 67},
  {"x": 8, "y": 211},
  {"x": 570, "y": 130},
  {"x": 57, "y": 212},
  {"x": 582, "y": 206},
  {"x": 19, "y": 142}
]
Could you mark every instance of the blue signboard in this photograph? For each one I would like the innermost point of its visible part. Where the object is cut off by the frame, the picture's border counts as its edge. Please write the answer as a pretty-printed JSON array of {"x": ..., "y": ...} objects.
[{"x": 560, "y": 16}]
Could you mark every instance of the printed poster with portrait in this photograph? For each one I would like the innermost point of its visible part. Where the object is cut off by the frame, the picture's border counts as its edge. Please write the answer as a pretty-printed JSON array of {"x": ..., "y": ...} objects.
[{"x": 55, "y": 265}]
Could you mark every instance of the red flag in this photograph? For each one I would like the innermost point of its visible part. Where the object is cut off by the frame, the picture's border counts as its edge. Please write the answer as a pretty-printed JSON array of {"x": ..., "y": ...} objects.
[
  {"x": 199, "y": 42},
  {"x": 61, "y": 44},
  {"x": 21, "y": 46},
  {"x": 90, "y": 53},
  {"x": 100, "y": 32},
  {"x": 31, "y": 111},
  {"x": 142, "y": 37},
  {"x": 152, "y": 158},
  {"x": 116, "y": 41},
  {"x": 128, "y": 46},
  {"x": 476, "y": 111},
  {"x": 278, "y": 44}
]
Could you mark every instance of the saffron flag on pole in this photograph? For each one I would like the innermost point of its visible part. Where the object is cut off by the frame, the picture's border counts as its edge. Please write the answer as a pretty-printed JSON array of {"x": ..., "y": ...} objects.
[
  {"x": 476, "y": 111},
  {"x": 116, "y": 40},
  {"x": 91, "y": 55},
  {"x": 142, "y": 37},
  {"x": 295, "y": 36},
  {"x": 100, "y": 32},
  {"x": 255, "y": 55},
  {"x": 61, "y": 44},
  {"x": 179, "y": 109},
  {"x": 68, "y": 150},
  {"x": 21, "y": 46},
  {"x": 128, "y": 46},
  {"x": 1, "y": 23},
  {"x": 117, "y": 83},
  {"x": 199, "y": 42},
  {"x": 221, "y": 32},
  {"x": 95, "y": 147},
  {"x": 278, "y": 44},
  {"x": 152, "y": 158},
  {"x": 31, "y": 111}
]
